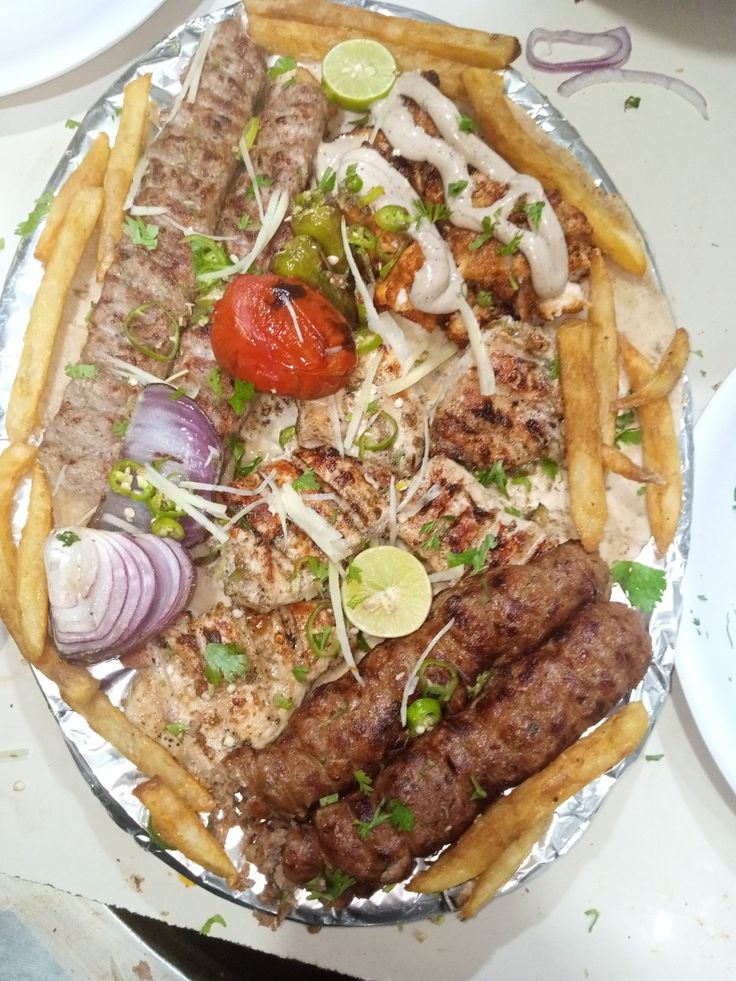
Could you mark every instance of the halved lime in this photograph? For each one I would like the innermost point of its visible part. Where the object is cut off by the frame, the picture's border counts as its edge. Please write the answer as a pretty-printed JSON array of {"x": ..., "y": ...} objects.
[
  {"x": 386, "y": 592},
  {"x": 356, "y": 73}
]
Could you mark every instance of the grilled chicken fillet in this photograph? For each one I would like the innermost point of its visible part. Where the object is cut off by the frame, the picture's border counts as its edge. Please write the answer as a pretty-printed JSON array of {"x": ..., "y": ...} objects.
[
  {"x": 532, "y": 709},
  {"x": 344, "y": 726}
]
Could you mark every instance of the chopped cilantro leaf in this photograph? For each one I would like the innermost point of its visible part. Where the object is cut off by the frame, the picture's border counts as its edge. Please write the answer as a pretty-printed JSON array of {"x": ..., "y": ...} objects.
[
  {"x": 282, "y": 702},
  {"x": 306, "y": 481},
  {"x": 120, "y": 427},
  {"x": 484, "y": 299},
  {"x": 353, "y": 574},
  {"x": 281, "y": 66},
  {"x": 207, "y": 255},
  {"x": 176, "y": 728},
  {"x": 654, "y": 757},
  {"x": 39, "y": 211},
  {"x": 141, "y": 233},
  {"x": 488, "y": 226},
  {"x": 243, "y": 392},
  {"x": 474, "y": 557},
  {"x": 478, "y": 792},
  {"x": 514, "y": 512},
  {"x": 533, "y": 211},
  {"x": 262, "y": 181},
  {"x": 512, "y": 247},
  {"x": 496, "y": 475},
  {"x": 320, "y": 570},
  {"x": 330, "y": 886},
  {"x": 214, "y": 380},
  {"x": 237, "y": 448},
  {"x": 554, "y": 369},
  {"x": 550, "y": 468},
  {"x": 432, "y": 212},
  {"x": 224, "y": 662},
  {"x": 643, "y": 585},
  {"x": 300, "y": 673},
  {"x": 456, "y": 188},
  {"x": 327, "y": 181},
  {"x": 521, "y": 479},
  {"x": 401, "y": 815},
  {"x": 208, "y": 924},
  {"x": 435, "y": 531},
  {"x": 329, "y": 799},
  {"x": 71, "y": 124},
  {"x": 365, "y": 783},
  {"x": 632, "y": 102},
  {"x": 466, "y": 125},
  {"x": 475, "y": 689},
  {"x": 67, "y": 538},
  {"x": 80, "y": 371}
]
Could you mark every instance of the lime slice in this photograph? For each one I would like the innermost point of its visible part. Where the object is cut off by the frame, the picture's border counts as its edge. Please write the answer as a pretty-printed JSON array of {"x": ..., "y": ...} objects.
[
  {"x": 357, "y": 72},
  {"x": 386, "y": 592}
]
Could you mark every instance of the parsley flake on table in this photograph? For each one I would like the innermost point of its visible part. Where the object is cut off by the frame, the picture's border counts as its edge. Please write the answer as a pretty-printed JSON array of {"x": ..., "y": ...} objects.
[
  {"x": 208, "y": 924},
  {"x": 141, "y": 233},
  {"x": 594, "y": 915},
  {"x": 39, "y": 211},
  {"x": 643, "y": 585},
  {"x": 224, "y": 662},
  {"x": 329, "y": 799},
  {"x": 72, "y": 124},
  {"x": 632, "y": 102},
  {"x": 654, "y": 757}
]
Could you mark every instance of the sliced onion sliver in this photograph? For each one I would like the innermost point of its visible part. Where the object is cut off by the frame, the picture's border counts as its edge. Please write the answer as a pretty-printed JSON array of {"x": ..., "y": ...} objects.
[
  {"x": 597, "y": 77},
  {"x": 174, "y": 574},
  {"x": 615, "y": 48}
]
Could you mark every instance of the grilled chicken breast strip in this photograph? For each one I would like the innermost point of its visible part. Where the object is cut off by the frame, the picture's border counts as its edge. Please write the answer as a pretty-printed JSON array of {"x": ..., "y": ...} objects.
[{"x": 190, "y": 165}]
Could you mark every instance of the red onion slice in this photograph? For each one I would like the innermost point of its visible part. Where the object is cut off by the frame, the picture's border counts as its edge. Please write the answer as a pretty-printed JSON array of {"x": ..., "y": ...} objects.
[
  {"x": 174, "y": 575},
  {"x": 615, "y": 48},
  {"x": 598, "y": 77}
]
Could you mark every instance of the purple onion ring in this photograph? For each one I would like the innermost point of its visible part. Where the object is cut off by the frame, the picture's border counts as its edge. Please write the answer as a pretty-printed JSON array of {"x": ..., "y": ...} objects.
[{"x": 615, "y": 45}]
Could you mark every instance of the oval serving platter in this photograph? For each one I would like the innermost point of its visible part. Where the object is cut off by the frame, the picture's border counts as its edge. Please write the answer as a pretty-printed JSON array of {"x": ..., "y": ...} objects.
[{"x": 110, "y": 776}]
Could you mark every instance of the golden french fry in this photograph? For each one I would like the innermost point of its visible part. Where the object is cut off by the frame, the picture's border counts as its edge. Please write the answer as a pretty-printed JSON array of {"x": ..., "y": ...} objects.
[
  {"x": 602, "y": 320},
  {"x": 123, "y": 159},
  {"x": 582, "y": 432},
  {"x": 46, "y": 312},
  {"x": 15, "y": 462},
  {"x": 89, "y": 173},
  {"x": 33, "y": 598},
  {"x": 617, "y": 462},
  {"x": 312, "y": 41},
  {"x": 666, "y": 375},
  {"x": 535, "y": 800},
  {"x": 523, "y": 148},
  {"x": 508, "y": 862},
  {"x": 660, "y": 451},
  {"x": 470, "y": 47},
  {"x": 179, "y": 826}
]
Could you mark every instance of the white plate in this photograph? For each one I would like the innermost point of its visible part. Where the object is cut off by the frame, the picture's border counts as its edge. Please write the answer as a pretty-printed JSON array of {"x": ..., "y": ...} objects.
[
  {"x": 706, "y": 644},
  {"x": 41, "y": 39}
]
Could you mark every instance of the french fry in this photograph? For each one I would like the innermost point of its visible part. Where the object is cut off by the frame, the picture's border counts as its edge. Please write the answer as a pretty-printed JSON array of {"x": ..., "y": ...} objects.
[
  {"x": 15, "y": 462},
  {"x": 602, "y": 320},
  {"x": 524, "y": 150},
  {"x": 617, "y": 462},
  {"x": 312, "y": 41},
  {"x": 179, "y": 826},
  {"x": 508, "y": 862},
  {"x": 582, "y": 432},
  {"x": 32, "y": 591},
  {"x": 89, "y": 173},
  {"x": 535, "y": 800},
  {"x": 123, "y": 159},
  {"x": 666, "y": 375},
  {"x": 660, "y": 451},
  {"x": 469, "y": 47},
  {"x": 47, "y": 310}
]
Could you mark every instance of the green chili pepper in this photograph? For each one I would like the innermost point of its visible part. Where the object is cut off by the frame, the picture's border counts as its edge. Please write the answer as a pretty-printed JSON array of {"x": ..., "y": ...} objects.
[
  {"x": 353, "y": 182},
  {"x": 323, "y": 643},
  {"x": 166, "y": 527},
  {"x": 149, "y": 352},
  {"x": 368, "y": 445},
  {"x": 423, "y": 715},
  {"x": 392, "y": 218},
  {"x": 125, "y": 479},
  {"x": 442, "y": 691},
  {"x": 366, "y": 341}
]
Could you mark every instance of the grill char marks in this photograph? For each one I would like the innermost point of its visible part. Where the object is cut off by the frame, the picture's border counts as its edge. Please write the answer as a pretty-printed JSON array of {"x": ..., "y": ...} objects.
[
  {"x": 499, "y": 615},
  {"x": 530, "y": 711},
  {"x": 189, "y": 167}
]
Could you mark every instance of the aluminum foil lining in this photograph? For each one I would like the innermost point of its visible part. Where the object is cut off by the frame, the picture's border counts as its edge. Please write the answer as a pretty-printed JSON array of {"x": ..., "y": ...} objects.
[{"x": 110, "y": 776}]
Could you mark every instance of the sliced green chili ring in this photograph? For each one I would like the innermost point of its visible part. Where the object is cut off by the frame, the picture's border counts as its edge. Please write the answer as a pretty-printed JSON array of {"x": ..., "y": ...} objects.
[
  {"x": 434, "y": 688},
  {"x": 325, "y": 648},
  {"x": 366, "y": 340},
  {"x": 423, "y": 715},
  {"x": 368, "y": 445},
  {"x": 137, "y": 312},
  {"x": 392, "y": 218},
  {"x": 286, "y": 435},
  {"x": 166, "y": 527},
  {"x": 353, "y": 182},
  {"x": 122, "y": 478},
  {"x": 161, "y": 507}
]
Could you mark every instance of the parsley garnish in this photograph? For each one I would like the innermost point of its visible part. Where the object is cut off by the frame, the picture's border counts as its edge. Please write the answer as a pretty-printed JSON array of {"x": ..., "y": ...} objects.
[
  {"x": 327, "y": 181},
  {"x": 71, "y": 124},
  {"x": 207, "y": 256},
  {"x": 632, "y": 102},
  {"x": 176, "y": 728},
  {"x": 478, "y": 792},
  {"x": 456, "y": 188},
  {"x": 554, "y": 369},
  {"x": 654, "y": 757},
  {"x": 435, "y": 531},
  {"x": 80, "y": 371},
  {"x": 550, "y": 468},
  {"x": 261, "y": 181},
  {"x": 281, "y": 66},
  {"x": 282, "y": 702},
  {"x": 512, "y": 247},
  {"x": 141, "y": 233},
  {"x": 67, "y": 538},
  {"x": 488, "y": 226},
  {"x": 365, "y": 783},
  {"x": 533, "y": 211},
  {"x": 178, "y": 393},
  {"x": 475, "y": 689},
  {"x": 466, "y": 125},
  {"x": 245, "y": 221},
  {"x": 626, "y": 432},
  {"x": 484, "y": 299},
  {"x": 224, "y": 662},
  {"x": 329, "y": 799},
  {"x": 474, "y": 557},
  {"x": 214, "y": 380},
  {"x": 432, "y": 212},
  {"x": 306, "y": 481},
  {"x": 353, "y": 574},
  {"x": 401, "y": 816},
  {"x": 300, "y": 673},
  {"x": 120, "y": 427},
  {"x": 208, "y": 924},
  {"x": 328, "y": 887},
  {"x": 40, "y": 210},
  {"x": 643, "y": 585},
  {"x": 243, "y": 392},
  {"x": 496, "y": 475},
  {"x": 320, "y": 570},
  {"x": 514, "y": 512},
  {"x": 593, "y": 914},
  {"x": 237, "y": 448},
  {"x": 521, "y": 479}
]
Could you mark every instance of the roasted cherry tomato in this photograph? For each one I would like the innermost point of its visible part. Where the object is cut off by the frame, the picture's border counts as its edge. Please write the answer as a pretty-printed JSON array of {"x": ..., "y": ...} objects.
[{"x": 283, "y": 336}]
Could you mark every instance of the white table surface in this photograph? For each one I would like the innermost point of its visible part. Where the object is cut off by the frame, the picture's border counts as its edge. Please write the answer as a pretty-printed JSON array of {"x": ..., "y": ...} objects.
[{"x": 659, "y": 862}]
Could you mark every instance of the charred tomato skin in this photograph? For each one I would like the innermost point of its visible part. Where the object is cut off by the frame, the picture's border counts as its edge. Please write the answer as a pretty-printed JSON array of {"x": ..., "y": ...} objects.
[{"x": 255, "y": 337}]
